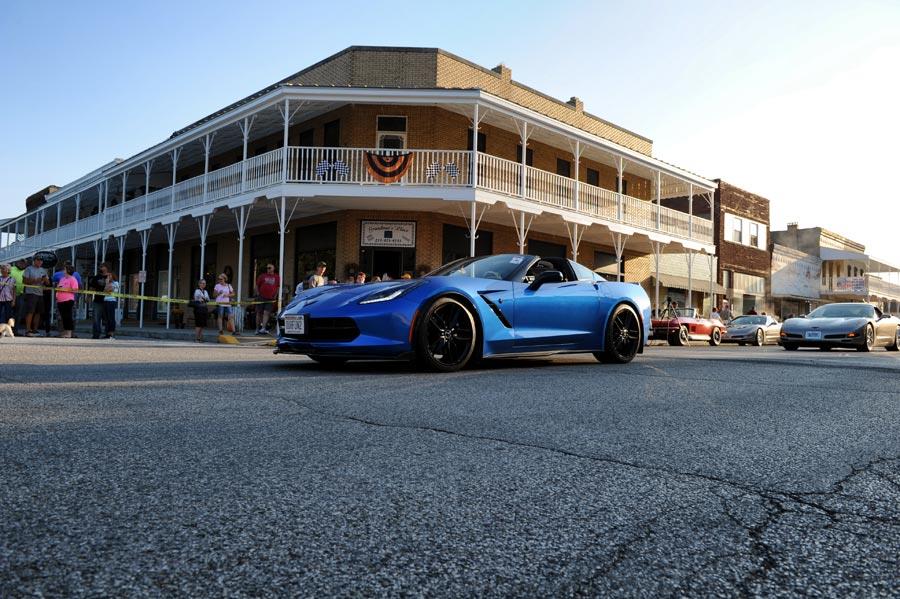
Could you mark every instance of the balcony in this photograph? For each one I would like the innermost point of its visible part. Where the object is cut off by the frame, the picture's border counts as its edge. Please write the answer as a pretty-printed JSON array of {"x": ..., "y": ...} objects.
[
  {"x": 864, "y": 287},
  {"x": 347, "y": 166}
]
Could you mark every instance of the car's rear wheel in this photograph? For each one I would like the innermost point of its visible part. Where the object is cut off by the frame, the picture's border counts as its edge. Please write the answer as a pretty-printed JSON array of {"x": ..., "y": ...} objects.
[
  {"x": 715, "y": 337},
  {"x": 623, "y": 336},
  {"x": 446, "y": 336},
  {"x": 760, "y": 338},
  {"x": 329, "y": 361},
  {"x": 679, "y": 338},
  {"x": 869, "y": 341},
  {"x": 895, "y": 346}
]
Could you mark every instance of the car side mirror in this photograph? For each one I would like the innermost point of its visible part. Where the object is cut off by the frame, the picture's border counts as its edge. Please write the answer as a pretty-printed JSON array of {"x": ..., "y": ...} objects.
[
  {"x": 548, "y": 276},
  {"x": 884, "y": 316}
]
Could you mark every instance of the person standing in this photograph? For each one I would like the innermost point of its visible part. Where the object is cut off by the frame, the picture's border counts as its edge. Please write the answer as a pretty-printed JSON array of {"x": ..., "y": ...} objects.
[
  {"x": 224, "y": 292},
  {"x": 7, "y": 294},
  {"x": 17, "y": 272},
  {"x": 714, "y": 315},
  {"x": 97, "y": 284},
  {"x": 110, "y": 303},
  {"x": 726, "y": 313},
  {"x": 65, "y": 300},
  {"x": 268, "y": 285},
  {"x": 34, "y": 278},
  {"x": 360, "y": 278},
  {"x": 201, "y": 309}
]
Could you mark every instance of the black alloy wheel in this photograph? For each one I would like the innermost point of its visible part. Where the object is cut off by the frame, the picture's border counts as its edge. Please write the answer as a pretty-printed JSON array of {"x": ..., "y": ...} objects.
[
  {"x": 715, "y": 337},
  {"x": 623, "y": 336},
  {"x": 895, "y": 346},
  {"x": 446, "y": 336},
  {"x": 869, "y": 341},
  {"x": 329, "y": 361},
  {"x": 760, "y": 338}
]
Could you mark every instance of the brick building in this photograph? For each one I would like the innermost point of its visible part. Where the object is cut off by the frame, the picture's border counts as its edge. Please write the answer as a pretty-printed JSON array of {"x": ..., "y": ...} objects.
[{"x": 386, "y": 160}]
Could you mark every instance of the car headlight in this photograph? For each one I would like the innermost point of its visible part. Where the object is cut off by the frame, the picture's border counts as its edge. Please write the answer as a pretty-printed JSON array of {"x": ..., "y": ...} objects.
[{"x": 385, "y": 295}]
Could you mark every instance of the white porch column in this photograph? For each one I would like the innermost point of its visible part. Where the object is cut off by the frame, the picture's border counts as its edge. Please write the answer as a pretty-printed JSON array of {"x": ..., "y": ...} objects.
[
  {"x": 658, "y": 200},
  {"x": 286, "y": 116},
  {"x": 283, "y": 219},
  {"x": 77, "y": 208},
  {"x": 122, "y": 208},
  {"x": 103, "y": 247},
  {"x": 576, "y": 152},
  {"x": 472, "y": 231},
  {"x": 145, "y": 239},
  {"x": 712, "y": 281},
  {"x": 620, "y": 169},
  {"x": 691, "y": 210},
  {"x": 207, "y": 146},
  {"x": 475, "y": 123},
  {"x": 524, "y": 135},
  {"x": 242, "y": 215},
  {"x": 576, "y": 232},
  {"x": 690, "y": 264},
  {"x": 105, "y": 185},
  {"x": 176, "y": 154},
  {"x": 619, "y": 240},
  {"x": 120, "y": 241},
  {"x": 95, "y": 244},
  {"x": 203, "y": 223},
  {"x": 148, "y": 165},
  {"x": 657, "y": 254},
  {"x": 171, "y": 228},
  {"x": 245, "y": 127},
  {"x": 521, "y": 228},
  {"x": 58, "y": 219}
]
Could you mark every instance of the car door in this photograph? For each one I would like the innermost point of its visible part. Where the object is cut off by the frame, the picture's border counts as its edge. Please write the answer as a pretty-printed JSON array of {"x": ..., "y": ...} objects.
[
  {"x": 884, "y": 329},
  {"x": 773, "y": 330},
  {"x": 556, "y": 315}
]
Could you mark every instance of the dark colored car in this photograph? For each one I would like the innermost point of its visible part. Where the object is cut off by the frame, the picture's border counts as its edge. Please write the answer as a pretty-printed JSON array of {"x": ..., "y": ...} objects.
[
  {"x": 678, "y": 326},
  {"x": 755, "y": 330},
  {"x": 502, "y": 305},
  {"x": 852, "y": 325}
]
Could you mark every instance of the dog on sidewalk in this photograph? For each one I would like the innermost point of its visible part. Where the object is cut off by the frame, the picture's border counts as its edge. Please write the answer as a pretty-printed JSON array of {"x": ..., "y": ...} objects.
[{"x": 8, "y": 328}]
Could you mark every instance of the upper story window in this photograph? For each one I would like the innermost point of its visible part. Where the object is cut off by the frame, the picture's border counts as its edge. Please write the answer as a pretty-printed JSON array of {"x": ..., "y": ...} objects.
[
  {"x": 737, "y": 230},
  {"x": 745, "y": 231},
  {"x": 332, "y": 134},
  {"x": 624, "y": 186},
  {"x": 754, "y": 234},
  {"x": 529, "y": 155},
  {"x": 307, "y": 138},
  {"x": 592, "y": 177},
  {"x": 482, "y": 141},
  {"x": 390, "y": 132},
  {"x": 563, "y": 167}
]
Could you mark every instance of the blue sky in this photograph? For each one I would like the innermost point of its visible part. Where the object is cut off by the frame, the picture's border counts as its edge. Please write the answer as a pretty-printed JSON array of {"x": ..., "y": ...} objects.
[{"x": 795, "y": 101}]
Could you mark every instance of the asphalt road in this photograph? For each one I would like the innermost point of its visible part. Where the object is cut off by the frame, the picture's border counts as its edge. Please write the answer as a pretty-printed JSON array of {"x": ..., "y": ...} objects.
[{"x": 138, "y": 468}]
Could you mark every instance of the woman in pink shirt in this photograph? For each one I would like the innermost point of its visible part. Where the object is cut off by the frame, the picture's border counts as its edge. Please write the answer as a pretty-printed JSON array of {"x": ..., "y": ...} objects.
[
  {"x": 65, "y": 300},
  {"x": 224, "y": 292}
]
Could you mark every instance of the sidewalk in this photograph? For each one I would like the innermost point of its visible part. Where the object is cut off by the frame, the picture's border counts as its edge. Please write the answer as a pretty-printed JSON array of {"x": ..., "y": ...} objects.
[{"x": 155, "y": 331}]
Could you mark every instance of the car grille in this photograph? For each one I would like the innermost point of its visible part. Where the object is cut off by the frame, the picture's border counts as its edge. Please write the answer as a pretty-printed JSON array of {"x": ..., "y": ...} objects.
[
  {"x": 328, "y": 329},
  {"x": 793, "y": 336}
]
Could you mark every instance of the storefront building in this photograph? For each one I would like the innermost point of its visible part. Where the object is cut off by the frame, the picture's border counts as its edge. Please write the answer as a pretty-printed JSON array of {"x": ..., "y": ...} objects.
[
  {"x": 796, "y": 283},
  {"x": 381, "y": 160}
]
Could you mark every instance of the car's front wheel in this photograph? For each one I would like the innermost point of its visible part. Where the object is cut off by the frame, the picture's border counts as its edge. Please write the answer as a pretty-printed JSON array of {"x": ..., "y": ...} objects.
[
  {"x": 715, "y": 338},
  {"x": 623, "y": 336},
  {"x": 446, "y": 336},
  {"x": 869, "y": 341},
  {"x": 760, "y": 338}
]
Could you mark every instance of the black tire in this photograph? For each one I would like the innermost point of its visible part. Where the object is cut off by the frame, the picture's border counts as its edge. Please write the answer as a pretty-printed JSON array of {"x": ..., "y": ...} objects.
[
  {"x": 869, "y": 341},
  {"x": 681, "y": 338},
  {"x": 895, "y": 346},
  {"x": 760, "y": 339},
  {"x": 446, "y": 336},
  {"x": 715, "y": 338},
  {"x": 329, "y": 361},
  {"x": 790, "y": 347},
  {"x": 623, "y": 336}
]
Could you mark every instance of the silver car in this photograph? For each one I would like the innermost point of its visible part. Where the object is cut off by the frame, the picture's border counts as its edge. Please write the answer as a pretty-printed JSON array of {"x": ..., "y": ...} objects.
[
  {"x": 854, "y": 325},
  {"x": 755, "y": 330}
]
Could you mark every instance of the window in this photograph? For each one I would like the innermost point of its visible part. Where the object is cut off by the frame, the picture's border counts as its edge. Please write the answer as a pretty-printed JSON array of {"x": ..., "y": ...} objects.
[
  {"x": 529, "y": 156},
  {"x": 624, "y": 186},
  {"x": 754, "y": 234},
  {"x": 727, "y": 279},
  {"x": 455, "y": 243},
  {"x": 593, "y": 177},
  {"x": 545, "y": 249},
  {"x": 737, "y": 230},
  {"x": 563, "y": 167},
  {"x": 390, "y": 132},
  {"x": 482, "y": 141},
  {"x": 307, "y": 138},
  {"x": 314, "y": 244},
  {"x": 333, "y": 134}
]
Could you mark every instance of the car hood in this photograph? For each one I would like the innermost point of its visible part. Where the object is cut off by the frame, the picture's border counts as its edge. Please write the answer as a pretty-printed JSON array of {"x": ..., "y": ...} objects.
[
  {"x": 742, "y": 328},
  {"x": 844, "y": 324},
  {"x": 340, "y": 295}
]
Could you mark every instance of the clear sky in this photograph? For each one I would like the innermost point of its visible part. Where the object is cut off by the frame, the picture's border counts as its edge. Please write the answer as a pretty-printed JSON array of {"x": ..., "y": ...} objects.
[{"x": 796, "y": 101}]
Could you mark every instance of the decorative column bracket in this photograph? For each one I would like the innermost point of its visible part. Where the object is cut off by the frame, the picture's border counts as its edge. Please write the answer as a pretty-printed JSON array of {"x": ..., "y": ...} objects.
[
  {"x": 619, "y": 240},
  {"x": 521, "y": 227},
  {"x": 576, "y": 232},
  {"x": 170, "y": 229},
  {"x": 245, "y": 126},
  {"x": 176, "y": 154},
  {"x": 287, "y": 114}
]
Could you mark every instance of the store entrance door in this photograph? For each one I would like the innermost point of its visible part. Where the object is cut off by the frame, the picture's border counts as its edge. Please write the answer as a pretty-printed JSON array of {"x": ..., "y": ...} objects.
[{"x": 388, "y": 261}]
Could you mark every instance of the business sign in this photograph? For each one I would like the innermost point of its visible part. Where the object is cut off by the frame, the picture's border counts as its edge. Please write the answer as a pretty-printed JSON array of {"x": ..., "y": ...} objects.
[
  {"x": 388, "y": 234},
  {"x": 853, "y": 285}
]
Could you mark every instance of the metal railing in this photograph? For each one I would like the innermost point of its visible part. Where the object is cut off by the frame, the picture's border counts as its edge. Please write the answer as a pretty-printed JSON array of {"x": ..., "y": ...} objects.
[{"x": 443, "y": 168}]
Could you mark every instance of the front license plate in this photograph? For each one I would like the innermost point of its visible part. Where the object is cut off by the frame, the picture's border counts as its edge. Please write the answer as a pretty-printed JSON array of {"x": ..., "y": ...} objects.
[
  {"x": 815, "y": 335},
  {"x": 294, "y": 325}
]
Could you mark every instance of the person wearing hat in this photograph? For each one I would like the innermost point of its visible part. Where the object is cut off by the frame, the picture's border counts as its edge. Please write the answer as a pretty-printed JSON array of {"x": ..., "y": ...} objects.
[
  {"x": 317, "y": 279},
  {"x": 34, "y": 278}
]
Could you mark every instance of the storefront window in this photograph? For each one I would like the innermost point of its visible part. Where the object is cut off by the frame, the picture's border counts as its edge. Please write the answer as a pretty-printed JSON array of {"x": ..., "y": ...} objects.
[
  {"x": 455, "y": 243},
  {"x": 314, "y": 244}
]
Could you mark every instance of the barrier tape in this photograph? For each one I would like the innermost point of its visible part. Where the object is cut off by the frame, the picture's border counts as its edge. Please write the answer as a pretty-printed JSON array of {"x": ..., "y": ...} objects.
[{"x": 152, "y": 298}]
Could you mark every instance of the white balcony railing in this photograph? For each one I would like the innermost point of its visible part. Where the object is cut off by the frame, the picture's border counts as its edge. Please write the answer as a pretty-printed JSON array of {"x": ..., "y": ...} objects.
[{"x": 442, "y": 168}]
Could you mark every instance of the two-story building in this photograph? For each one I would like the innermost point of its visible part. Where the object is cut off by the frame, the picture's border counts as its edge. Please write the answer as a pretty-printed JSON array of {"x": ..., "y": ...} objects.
[
  {"x": 385, "y": 160},
  {"x": 847, "y": 272}
]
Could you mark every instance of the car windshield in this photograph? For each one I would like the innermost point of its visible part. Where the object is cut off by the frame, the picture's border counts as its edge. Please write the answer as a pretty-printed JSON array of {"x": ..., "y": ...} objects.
[
  {"x": 843, "y": 311},
  {"x": 501, "y": 267},
  {"x": 748, "y": 320}
]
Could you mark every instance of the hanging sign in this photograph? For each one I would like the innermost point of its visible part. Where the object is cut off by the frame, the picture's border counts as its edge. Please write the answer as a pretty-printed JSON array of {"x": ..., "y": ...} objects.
[
  {"x": 391, "y": 234},
  {"x": 388, "y": 168},
  {"x": 50, "y": 259}
]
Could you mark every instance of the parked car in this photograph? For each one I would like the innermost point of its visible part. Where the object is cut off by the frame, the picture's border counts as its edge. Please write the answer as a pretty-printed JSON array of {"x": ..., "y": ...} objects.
[
  {"x": 678, "y": 326},
  {"x": 854, "y": 325},
  {"x": 755, "y": 330},
  {"x": 482, "y": 307}
]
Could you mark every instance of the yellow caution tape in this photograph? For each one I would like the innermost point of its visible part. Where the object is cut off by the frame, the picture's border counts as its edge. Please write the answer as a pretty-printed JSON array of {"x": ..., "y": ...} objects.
[{"x": 152, "y": 298}]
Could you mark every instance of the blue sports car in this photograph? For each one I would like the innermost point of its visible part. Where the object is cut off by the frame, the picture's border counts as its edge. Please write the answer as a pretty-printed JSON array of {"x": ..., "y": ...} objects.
[{"x": 472, "y": 308}]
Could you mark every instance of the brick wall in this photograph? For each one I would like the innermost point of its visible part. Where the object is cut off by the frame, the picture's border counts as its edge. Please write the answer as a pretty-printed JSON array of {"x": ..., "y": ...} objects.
[{"x": 734, "y": 256}]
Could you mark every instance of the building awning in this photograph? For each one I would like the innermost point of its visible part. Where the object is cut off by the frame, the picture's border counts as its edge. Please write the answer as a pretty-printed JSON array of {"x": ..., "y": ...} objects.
[{"x": 675, "y": 282}]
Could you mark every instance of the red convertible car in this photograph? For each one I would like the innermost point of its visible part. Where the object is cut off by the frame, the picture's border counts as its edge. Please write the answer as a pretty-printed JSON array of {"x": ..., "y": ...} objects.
[{"x": 680, "y": 325}]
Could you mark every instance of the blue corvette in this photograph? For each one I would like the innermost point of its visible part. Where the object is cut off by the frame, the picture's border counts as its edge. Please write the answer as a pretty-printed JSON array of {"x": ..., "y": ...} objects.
[{"x": 472, "y": 308}]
